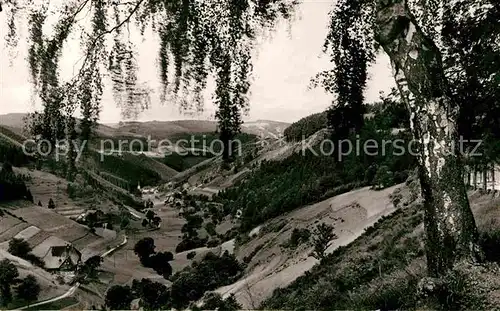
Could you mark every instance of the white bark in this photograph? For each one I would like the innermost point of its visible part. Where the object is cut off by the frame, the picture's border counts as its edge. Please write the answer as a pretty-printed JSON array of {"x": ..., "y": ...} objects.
[{"x": 418, "y": 71}]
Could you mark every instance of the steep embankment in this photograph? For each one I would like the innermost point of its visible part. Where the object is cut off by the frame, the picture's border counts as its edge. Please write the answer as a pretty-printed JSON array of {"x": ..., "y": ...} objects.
[
  {"x": 381, "y": 269},
  {"x": 273, "y": 265},
  {"x": 49, "y": 286}
]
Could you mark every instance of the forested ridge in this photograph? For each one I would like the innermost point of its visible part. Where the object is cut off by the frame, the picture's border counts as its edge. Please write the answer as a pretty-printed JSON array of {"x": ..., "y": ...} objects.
[
  {"x": 277, "y": 187},
  {"x": 444, "y": 57},
  {"x": 305, "y": 127}
]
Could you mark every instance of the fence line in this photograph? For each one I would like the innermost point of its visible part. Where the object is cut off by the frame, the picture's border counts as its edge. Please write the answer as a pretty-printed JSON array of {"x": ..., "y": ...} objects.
[{"x": 486, "y": 180}]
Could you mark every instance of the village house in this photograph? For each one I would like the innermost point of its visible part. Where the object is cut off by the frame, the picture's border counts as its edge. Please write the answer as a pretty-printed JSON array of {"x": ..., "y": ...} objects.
[{"x": 58, "y": 254}]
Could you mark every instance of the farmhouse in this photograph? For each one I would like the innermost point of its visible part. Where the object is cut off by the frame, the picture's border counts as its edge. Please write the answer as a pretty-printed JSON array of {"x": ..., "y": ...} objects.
[{"x": 57, "y": 254}]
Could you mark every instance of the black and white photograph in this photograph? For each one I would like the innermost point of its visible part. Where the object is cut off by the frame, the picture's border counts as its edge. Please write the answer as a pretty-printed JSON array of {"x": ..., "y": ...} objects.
[{"x": 250, "y": 155}]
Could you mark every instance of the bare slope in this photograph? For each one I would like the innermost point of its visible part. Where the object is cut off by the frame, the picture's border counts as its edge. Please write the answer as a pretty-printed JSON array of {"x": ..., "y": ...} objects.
[
  {"x": 273, "y": 266},
  {"x": 381, "y": 269}
]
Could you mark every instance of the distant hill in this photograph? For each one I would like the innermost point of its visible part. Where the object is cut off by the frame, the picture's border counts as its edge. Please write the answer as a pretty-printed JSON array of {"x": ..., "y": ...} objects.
[
  {"x": 265, "y": 128},
  {"x": 15, "y": 120},
  {"x": 160, "y": 129},
  {"x": 167, "y": 129}
]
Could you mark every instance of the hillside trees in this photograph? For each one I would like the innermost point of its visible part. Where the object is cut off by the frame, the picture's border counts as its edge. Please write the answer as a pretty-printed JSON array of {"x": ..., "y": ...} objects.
[
  {"x": 119, "y": 297},
  {"x": 160, "y": 262},
  {"x": 13, "y": 186},
  {"x": 213, "y": 271},
  {"x": 12, "y": 154},
  {"x": 306, "y": 127},
  {"x": 221, "y": 38},
  {"x": 309, "y": 177},
  {"x": 418, "y": 36},
  {"x": 8, "y": 274},
  {"x": 423, "y": 52},
  {"x": 29, "y": 289},
  {"x": 322, "y": 235}
]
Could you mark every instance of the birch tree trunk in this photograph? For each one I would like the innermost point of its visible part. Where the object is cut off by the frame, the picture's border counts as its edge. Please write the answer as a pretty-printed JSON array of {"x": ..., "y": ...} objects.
[
  {"x": 450, "y": 228},
  {"x": 485, "y": 179},
  {"x": 493, "y": 177},
  {"x": 468, "y": 176}
]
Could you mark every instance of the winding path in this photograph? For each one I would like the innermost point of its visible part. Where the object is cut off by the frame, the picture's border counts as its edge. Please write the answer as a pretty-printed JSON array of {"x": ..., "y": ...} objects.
[{"x": 73, "y": 289}]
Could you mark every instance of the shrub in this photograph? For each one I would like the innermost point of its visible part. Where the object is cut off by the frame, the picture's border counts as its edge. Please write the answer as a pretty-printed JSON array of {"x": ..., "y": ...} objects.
[
  {"x": 51, "y": 204},
  {"x": 455, "y": 291},
  {"x": 210, "y": 227},
  {"x": 154, "y": 295},
  {"x": 322, "y": 235},
  {"x": 490, "y": 243},
  {"x": 144, "y": 248},
  {"x": 383, "y": 178},
  {"x": 19, "y": 248},
  {"x": 191, "y": 255},
  {"x": 29, "y": 196},
  {"x": 212, "y": 272},
  {"x": 388, "y": 293},
  {"x": 248, "y": 259},
  {"x": 189, "y": 243},
  {"x": 298, "y": 237},
  {"x": 119, "y": 297},
  {"x": 213, "y": 243},
  {"x": 214, "y": 301},
  {"x": 160, "y": 263},
  {"x": 29, "y": 289}
]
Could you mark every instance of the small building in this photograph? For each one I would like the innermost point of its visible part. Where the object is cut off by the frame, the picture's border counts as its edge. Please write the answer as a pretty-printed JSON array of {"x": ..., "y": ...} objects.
[
  {"x": 148, "y": 190},
  {"x": 58, "y": 254},
  {"x": 135, "y": 304}
]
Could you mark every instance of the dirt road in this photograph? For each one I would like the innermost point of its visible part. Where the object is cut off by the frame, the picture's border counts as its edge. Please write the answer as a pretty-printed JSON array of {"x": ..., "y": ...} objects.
[{"x": 73, "y": 289}]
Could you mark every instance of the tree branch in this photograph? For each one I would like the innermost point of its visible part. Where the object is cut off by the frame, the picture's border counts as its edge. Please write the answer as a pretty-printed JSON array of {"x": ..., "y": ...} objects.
[
  {"x": 84, "y": 4},
  {"x": 94, "y": 42}
]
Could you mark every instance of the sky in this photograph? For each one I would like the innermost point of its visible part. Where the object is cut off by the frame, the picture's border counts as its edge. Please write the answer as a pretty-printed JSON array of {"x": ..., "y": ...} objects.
[{"x": 283, "y": 66}]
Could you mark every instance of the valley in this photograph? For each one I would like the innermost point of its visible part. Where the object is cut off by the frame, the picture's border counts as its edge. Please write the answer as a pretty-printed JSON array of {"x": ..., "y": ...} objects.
[{"x": 247, "y": 232}]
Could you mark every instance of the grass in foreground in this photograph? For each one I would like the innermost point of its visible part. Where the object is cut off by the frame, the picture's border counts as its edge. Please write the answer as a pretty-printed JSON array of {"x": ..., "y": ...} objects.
[{"x": 382, "y": 270}]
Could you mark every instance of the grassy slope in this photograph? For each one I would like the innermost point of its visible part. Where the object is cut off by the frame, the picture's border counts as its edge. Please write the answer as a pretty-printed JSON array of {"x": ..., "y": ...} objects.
[
  {"x": 163, "y": 170},
  {"x": 11, "y": 136},
  {"x": 342, "y": 279},
  {"x": 50, "y": 287},
  {"x": 381, "y": 269},
  {"x": 275, "y": 265}
]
